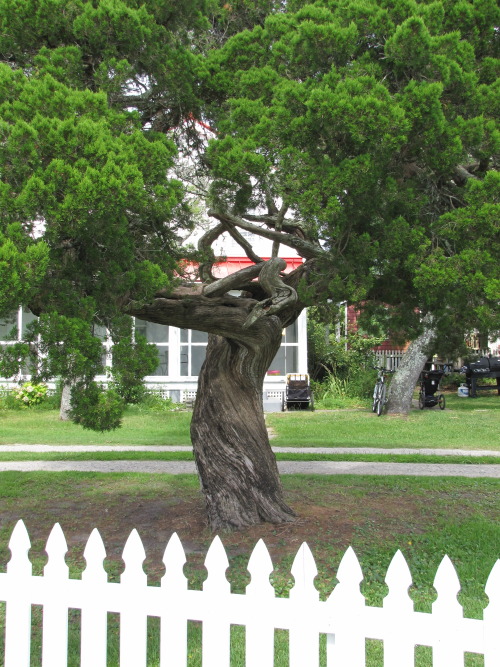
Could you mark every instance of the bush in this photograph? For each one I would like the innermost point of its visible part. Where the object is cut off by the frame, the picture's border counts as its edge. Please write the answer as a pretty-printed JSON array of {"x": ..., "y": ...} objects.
[
  {"x": 29, "y": 394},
  {"x": 154, "y": 401},
  {"x": 452, "y": 381},
  {"x": 336, "y": 392},
  {"x": 96, "y": 408}
]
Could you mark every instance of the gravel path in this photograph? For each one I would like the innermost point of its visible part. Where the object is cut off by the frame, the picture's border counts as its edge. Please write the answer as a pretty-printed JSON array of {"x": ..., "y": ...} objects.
[
  {"x": 277, "y": 450},
  {"x": 285, "y": 467}
]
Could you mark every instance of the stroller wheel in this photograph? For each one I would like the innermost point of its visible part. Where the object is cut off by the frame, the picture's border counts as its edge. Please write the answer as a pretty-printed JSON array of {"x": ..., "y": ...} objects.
[
  {"x": 441, "y": 401},
  {"x": 421, "y": 401}
]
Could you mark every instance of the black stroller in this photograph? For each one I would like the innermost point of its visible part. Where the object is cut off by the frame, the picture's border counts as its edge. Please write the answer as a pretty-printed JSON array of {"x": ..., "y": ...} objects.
[
  {"x": 429, "y": 385},
  {"x": 298, "y": 394}
]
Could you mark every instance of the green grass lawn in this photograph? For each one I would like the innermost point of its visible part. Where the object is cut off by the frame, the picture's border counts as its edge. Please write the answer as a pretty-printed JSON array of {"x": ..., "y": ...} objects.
[
  {"x": 140, "y": 427},
  {"x": 465, "y": 424}
]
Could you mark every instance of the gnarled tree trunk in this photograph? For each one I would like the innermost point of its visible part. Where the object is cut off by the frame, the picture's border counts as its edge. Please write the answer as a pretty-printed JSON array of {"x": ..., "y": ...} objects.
[
  {"x": 237, "y": 468},
  {"x": 235, "y": 462},
  {"x": 406, "y": 377}
]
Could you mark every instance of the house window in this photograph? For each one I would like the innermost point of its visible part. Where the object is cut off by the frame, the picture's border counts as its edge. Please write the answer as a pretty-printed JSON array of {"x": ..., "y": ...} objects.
[
  {"x": 7, "y": 324},
  {"x": 287, "y": 357},
  {"x": 157, "y": 334},
  {"x": 193, "y": 351},
  {"x": 26, "y": 318},
  {"x": 12, "y": 328}
]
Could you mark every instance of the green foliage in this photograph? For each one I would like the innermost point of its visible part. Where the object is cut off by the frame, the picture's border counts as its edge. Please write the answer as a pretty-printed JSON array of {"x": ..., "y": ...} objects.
[
  {"x": 65, "y": 347},
  {"x": 335, "y": 392},
  {"x": 96, "y": 408},
  {"x": 472, "y": 268},
  {"x": 348, "y": 373},
  {"x": 30, "y": 394},
  {"x": 131, "y": 362},
  {"x": 23, "y": 266},
  {"x": 12, "y": 357},
  {"x": 153, "y": 401},
  {"x": 357, "y": 114},
  {"x": 342, "y": 367}
]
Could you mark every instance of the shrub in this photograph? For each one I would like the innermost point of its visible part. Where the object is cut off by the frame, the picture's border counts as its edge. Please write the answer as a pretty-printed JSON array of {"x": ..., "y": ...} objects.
[
  {"x": 30, "y": 394},
  {"x": 96, "y": 408},
  {"x": 154, "y": 401},
  {"x": 452, "y": 381},
  {"x": 336, "y": 392}
]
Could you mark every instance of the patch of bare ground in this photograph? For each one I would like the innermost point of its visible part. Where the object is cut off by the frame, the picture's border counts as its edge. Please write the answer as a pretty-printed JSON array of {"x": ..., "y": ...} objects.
[{"x": 326, "y": 523}]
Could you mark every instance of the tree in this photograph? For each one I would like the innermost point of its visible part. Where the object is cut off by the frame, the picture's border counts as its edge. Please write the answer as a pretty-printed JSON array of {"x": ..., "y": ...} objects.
[
  {"x": 463, "y": 265},
  {"x": 342, "y": 130}
]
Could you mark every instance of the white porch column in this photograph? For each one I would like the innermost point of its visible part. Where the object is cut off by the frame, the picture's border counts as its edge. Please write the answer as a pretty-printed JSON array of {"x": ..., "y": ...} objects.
[{"x": 302, "y": 341}]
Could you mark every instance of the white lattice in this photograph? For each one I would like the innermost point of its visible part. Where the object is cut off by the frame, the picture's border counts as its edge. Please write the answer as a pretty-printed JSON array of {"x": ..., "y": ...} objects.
[{"x": 275, "y": 394}]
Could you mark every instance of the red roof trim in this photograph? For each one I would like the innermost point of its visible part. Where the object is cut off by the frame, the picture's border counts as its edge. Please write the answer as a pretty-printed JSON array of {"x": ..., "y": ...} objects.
[{"x": 234, "y": 264}]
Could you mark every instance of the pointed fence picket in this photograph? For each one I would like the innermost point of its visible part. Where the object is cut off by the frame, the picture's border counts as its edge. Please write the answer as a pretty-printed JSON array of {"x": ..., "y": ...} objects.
[
  {"x": 259, "y": 635},
  {"x": 304, "y": 636},
  {"x": 346, "y": 604},
  {"x": 344, "y": 617},
  {"x": 18, "y": 608},
  {"x": 94, "y": 614},
  {"x": 399, "y": 646},
  {"x": 173, "y": 629},
  {"x": 133, "y": 614}
]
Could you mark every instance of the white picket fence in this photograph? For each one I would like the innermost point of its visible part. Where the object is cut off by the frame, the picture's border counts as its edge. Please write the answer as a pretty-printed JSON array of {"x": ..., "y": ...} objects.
[{"x": 344, "y": 617}]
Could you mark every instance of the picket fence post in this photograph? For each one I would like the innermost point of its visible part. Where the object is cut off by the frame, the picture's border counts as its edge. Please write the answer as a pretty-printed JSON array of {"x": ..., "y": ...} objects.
[
  {"x": 259, "y": 635},
  {"x": 173, "y": 628},
  {"x": 491, "y": 616},
  {"x": 399, "y": 643},
  {"x": 55, "y": 605},
  {"x": 18, "y": 608},
  {"x": 133, "y": 612},
  {"x": 346, "y": 645},
  {"x": 93, "y": 650},
  {"x": 447, "y": 614},
  {"x": 216, "y": 625},
  {"x": 304, "y": 635}
]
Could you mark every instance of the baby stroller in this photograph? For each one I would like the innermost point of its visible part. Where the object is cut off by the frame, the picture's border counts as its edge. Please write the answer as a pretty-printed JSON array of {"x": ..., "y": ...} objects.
[
  {"x": 429, "y": 385},
  {"x": 298, "y": 394}
]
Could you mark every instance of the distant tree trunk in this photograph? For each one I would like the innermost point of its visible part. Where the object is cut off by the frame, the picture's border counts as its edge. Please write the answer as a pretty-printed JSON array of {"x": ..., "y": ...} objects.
[
  {"x": 405, "y": 379},
  {"x": 65, "y": 402},
  {"x": 236, "y": 465}
]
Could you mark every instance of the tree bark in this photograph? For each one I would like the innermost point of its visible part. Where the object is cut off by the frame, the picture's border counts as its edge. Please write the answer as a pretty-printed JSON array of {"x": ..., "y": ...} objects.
[
  {"x": 236, "y": 465},
  {"x": 65, "y": 402},
  {"x": 237, "y": 468},
  {"x": 405, "y": 379}
]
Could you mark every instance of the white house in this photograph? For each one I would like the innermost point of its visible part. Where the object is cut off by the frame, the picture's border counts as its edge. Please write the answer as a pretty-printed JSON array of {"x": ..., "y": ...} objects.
[{"x": 182, "y": 351}]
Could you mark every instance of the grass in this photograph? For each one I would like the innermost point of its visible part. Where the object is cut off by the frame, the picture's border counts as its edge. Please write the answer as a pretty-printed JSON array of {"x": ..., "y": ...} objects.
[
  {"x": 465, "y": 424},
  {"x": 280, "y": 456},
  {"x": 425, "y": 518},
  {"x": 36, "y": 426}
]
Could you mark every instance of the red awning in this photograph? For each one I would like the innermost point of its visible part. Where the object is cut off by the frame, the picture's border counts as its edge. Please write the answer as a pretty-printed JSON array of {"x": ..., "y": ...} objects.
[{"x": 234, "y": 264}]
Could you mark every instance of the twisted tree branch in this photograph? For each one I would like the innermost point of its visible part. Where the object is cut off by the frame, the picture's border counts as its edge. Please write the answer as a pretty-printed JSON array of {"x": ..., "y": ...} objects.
[
  {"x": 280, "y": 294},
  {"x": 305, "y": 248}
]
